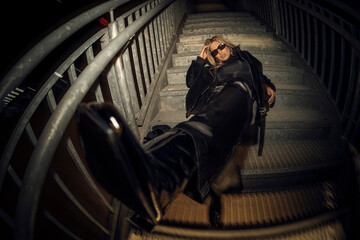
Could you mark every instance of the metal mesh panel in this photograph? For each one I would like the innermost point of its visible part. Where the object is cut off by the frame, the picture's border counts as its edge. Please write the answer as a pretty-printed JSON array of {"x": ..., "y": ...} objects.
[
  {"x": 184, "y": 210},
  {"x": 264, "y": 208}
]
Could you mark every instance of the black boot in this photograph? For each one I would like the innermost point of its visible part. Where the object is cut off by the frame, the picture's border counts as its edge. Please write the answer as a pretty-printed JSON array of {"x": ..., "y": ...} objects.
[{"x": 145, "y": 181}]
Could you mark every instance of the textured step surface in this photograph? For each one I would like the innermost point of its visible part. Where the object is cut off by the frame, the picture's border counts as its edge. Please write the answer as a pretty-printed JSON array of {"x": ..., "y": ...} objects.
[
  {"x": 283, "y": 124},
  {"x": 215, "y": 29},
  {"x": 173, "y": 96},
  {"x": 277, "y": 74},
  {"x": 282, "y": 164},
  {"x": 233, "y": 37},
  {"x": 257, "y": 209},
  {"x": 266, "y": 46},
  {"x": 331, "y": 231},
  {"x": 274, "y": 58}
]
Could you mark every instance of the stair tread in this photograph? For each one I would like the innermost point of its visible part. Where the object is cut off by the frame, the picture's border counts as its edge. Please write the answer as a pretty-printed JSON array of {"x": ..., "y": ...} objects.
[
  {"x": 266, "y": 68},
  {"x": 266, "y": 57},
  {"x": 196, "y": 29},
  {"x": 294, "y": 115},
  {"x": 231, "y": 22},
  {"x": 266, "y": 46},
  {"x": 260, "y": 209},
  {"x": 253, "y": 36},
  {"x": 281, "y": 87},
  {"x": 287, "y": 156},
  {"x": 253, "y": 52},
  {"x": 212, "y": 14}
]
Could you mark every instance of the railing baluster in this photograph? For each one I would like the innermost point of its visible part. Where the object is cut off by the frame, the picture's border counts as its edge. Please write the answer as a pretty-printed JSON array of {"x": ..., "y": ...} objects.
[
  {"x": 73, "y": 199},
  {"x": 72, "y": 73},
  {"x": 157, "y": 40},
  {"x": 168, "y": 25},
  {"x": 282, "y": 18},
  {"x": 14, "y": 176},
  {"x": 302, "y": 25},
  {"x": 297, "y": 32},
  {"x": 268, "y": 11},
  {"x": 316, "y": 45},
  {"x": 52, "y": 219},
  {"x": 89, "y": 57},
  {"x": 144, "y": 64},
  {"x": 84, "y": 172},
  {"x": 6, "y": 218},
  {"x": 135, "y": 101},
  {"x": 50, "y": 98},
  {"x": 164, "y": 29},
  {"x": 155, "y": 45},
  {"x": 309, "y": 44},
  {"x": 292, "y": 27},
  {"x": 126, "y": 87},
  {"x": 167, "y": 28},
  {"x": 354, "y": 64},
  {"x": 136, "y": 65},
  {"x": 332, "y": 61},
  {"x": 341, "y": 76},
  {"x": 287, "y": 29},
  {"x": 117, "y": 205},
  {"x": 324, "y": 52},
  {"x": 112, "y": 80},
  {"x": 30, "y": 133},
  {"x": 149, "y": 50},
  {"x": 161, "y": 36}
]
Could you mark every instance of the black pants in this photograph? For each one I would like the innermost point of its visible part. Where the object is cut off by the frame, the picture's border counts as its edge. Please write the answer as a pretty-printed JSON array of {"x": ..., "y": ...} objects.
[{"x": 216, "y": 131}]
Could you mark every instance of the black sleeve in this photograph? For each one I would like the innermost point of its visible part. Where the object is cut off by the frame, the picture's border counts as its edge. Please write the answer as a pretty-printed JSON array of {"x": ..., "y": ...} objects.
[
  {"x": 264, "y": 79},
  {"x": 195, "y": 69}
]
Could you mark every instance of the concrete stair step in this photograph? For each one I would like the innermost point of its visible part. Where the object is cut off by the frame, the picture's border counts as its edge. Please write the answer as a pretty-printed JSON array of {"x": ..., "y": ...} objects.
[
  {"x": 282, "y": 123},
  {"x": 241, "y": 36},
  {"x": 277, "y": 74},
  {"x": 218, "y": 14},
  {"x": 173, "y": 96},
  {"x": 225, "y": 19},
  {"x": 295, "y": 161},
  {"x": 274, "y": 58},
  {"x": 201, "y": 30},
  {"x": 228, "y": 22},
  {"x": 266, "y": 46}
]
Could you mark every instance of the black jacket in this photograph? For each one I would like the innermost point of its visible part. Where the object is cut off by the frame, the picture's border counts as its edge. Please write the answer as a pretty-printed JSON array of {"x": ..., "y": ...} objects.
[{"x": 201, "y": 80}]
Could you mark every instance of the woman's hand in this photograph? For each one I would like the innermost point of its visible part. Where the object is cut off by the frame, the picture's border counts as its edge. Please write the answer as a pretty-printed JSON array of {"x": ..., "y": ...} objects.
[
  {"x": 270, "y": 92},
  {"x": 203, "y": 53}
]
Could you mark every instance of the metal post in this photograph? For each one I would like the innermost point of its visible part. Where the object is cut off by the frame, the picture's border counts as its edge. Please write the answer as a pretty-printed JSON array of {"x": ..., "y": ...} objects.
[{"x": 123, "y": 86}]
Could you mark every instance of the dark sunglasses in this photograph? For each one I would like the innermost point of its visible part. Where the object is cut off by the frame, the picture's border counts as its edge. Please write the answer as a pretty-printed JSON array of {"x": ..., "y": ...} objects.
[{"x": 220, "y": 47}]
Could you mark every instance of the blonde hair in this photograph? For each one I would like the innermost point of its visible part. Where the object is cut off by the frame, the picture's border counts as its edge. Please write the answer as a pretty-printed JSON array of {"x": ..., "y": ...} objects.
[{"x": 214, "y": 61}]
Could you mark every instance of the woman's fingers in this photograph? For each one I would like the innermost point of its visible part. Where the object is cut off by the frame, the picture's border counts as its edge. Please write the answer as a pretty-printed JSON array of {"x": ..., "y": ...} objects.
[
  {"x": 203, "y": 53},
  {"x": 271, "y": 93}
]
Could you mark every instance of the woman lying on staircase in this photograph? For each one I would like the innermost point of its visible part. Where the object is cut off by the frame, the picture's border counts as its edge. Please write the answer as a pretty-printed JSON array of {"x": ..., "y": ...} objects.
[{"x": 224, "y": 83}]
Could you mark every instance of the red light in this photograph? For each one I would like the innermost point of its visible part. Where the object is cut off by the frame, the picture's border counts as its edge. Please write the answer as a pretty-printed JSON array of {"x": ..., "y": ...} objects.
[{"x": 104, "y": 22}]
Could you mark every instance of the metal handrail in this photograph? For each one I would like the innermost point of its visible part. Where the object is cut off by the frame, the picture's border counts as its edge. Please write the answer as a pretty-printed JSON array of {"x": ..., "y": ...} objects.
[
  {"x": 48, "y": 142},
  {"x": 303, "y": 24},
  {"x": 30, "y": 60},
  {"x": 28, "y": 113}
]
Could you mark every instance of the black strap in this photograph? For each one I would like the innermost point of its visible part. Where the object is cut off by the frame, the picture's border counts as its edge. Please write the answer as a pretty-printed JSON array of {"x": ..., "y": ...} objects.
[{"x": 263, "y": 114}]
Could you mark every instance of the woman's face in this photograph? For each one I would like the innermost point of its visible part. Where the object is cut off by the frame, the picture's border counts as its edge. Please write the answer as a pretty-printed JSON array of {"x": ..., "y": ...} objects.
[{"x": 222, "y": 54}]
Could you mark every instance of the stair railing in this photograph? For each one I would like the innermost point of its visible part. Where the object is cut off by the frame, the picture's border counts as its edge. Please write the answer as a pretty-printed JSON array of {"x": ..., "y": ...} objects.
[
  {"x": 119, "y": 64},
  {"x": 329, "y": 42}
]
